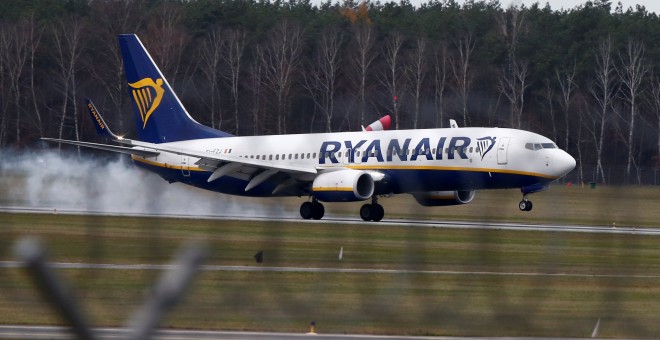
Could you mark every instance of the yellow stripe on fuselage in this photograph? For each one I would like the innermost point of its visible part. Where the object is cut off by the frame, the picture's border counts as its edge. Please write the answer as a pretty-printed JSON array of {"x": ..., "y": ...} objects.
[{"x": 374, "y": 167}]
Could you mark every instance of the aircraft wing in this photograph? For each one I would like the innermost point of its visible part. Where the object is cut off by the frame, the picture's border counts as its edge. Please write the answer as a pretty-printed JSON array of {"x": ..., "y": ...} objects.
[
  {"x": 114, "y": 148},
  {"x": 212, "y": 160}
]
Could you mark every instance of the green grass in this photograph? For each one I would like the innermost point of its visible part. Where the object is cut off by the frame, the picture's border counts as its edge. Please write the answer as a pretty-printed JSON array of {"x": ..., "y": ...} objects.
[{"x": 422, "y": 304}]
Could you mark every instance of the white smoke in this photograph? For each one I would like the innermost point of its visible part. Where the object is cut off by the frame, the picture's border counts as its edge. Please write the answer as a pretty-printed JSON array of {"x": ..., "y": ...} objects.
[{"x": 67, "y": 182}]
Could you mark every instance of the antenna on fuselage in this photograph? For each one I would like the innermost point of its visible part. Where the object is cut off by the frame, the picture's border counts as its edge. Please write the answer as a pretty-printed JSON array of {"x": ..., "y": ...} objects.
[{"x": 453, "y": 124}]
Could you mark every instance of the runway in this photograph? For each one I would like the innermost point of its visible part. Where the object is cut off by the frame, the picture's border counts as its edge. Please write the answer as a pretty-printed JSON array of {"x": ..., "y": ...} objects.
[
  {"x": 612, "y": 229},
  {"x": 110, "y": 266},
  {"x": 50, "y": 332}
]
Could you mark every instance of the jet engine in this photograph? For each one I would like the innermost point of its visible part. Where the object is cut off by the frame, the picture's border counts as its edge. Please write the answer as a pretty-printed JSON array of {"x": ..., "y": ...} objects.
[
  {"x": 345, "y": 185},
  {"x": 443, "y": 198}
]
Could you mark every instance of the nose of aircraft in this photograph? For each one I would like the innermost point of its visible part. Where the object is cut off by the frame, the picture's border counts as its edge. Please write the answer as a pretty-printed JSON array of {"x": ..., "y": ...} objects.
[{"x": 565, "y": 163}]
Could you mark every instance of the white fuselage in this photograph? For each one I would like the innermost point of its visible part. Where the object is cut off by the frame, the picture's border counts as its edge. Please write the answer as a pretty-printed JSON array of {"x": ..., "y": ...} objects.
[{"x": 409, "y": 160}]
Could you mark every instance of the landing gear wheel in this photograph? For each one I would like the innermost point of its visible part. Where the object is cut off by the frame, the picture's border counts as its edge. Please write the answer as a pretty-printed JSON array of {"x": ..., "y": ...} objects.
[
  {"x": 372, "y": 212},
  {"x": 525, "y": 205},
  {"x": 307, "y": 210},
  {"x": 318, "y": 211},
  {"x": 378, "y": 212},
  {"x": 366, "y": 212}
]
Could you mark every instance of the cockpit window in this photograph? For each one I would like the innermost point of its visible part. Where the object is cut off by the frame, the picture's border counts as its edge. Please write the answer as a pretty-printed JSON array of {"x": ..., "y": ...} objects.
[{"x": 539, "y": 146}]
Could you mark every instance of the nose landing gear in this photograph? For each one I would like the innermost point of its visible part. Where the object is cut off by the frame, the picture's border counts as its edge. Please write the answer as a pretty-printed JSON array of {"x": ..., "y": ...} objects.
[{"x": 525, "y": 204}]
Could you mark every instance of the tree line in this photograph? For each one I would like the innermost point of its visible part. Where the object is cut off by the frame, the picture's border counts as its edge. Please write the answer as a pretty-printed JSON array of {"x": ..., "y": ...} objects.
[{"x": 586, "y": 77}]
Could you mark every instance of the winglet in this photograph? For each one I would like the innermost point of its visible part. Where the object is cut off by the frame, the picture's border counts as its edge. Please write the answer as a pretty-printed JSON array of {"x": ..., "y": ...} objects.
[{"x": 99, "y": 124}]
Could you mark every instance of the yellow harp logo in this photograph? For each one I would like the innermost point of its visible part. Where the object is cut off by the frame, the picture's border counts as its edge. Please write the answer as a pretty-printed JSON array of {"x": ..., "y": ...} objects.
[{"x": 147, "y": 95}]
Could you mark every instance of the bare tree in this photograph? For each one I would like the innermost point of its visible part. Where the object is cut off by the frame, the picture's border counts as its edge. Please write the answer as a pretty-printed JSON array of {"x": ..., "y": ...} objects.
[
  {"x": 34, "y": 38},
  {"x": 567, "y": 86},
  {"x": 416, "y": 71},
  {"x": 3, "y": 90},
  {"x": 321, "y": 79},
  {"x": 209, "y": 63},
  {"x": 68, "y": 45},
  {"x": 280, "y": 61},
  {"x": 114, "y": 17},
  {"x": 654, "y": 99},
  {"x": 15, "y": 54},
  {"x": 462, "y": 74},
  {"x": 392, "y": 75},
  {"x": 256, "y": 81},
  {"x": 603, "y": 90},
  {"x": 167, "y": 40},
  {"x": 235, "y": 47},
  {"x": 513, "y": 75},
  {"x": 439, "y": 81},
  {"x": 549, "y": 95},
  {"x": 632, "y": 70},
  {"x": 513, "y": 85},
  {"x": 364, "y": 37}
]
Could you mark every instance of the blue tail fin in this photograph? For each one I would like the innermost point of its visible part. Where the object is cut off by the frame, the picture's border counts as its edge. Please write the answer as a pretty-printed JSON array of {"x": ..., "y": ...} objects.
[{"x": 159, "y": 115}]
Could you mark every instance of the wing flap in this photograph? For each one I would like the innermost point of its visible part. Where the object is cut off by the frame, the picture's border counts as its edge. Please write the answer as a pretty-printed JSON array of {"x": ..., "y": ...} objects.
[{"x": 113, "y": 148}]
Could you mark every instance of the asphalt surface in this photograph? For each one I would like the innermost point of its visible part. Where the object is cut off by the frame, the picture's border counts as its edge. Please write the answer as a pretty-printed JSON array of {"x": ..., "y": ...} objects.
[
  {"x": 611, "y": 229},
  {"x": 48, "y": 332}
]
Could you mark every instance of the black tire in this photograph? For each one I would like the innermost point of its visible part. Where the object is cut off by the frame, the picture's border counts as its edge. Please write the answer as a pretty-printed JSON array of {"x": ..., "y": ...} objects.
[
  {"x": 366, "y": 212},
  {"x": 378, "y": 212},
  {"x": 307, "y": 210},
  {"x": 529, "y": 206},
  {"x": 318, "y": 212}
]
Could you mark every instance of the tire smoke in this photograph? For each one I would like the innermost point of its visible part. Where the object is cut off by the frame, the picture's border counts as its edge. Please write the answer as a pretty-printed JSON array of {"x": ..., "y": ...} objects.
[{"x": 67, "y": 182}]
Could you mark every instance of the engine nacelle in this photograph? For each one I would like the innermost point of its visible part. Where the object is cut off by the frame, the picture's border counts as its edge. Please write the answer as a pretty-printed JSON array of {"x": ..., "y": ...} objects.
[
  {"x": 443, "y": 198},
  {"x": 343, "y": 186}
]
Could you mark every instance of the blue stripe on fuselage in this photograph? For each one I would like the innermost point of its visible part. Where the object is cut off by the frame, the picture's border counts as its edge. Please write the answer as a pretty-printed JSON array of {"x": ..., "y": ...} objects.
[{"x": 398, "y": 180}]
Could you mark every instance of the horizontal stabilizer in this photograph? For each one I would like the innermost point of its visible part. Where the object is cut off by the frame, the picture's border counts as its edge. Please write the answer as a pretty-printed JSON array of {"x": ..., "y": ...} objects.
[{"x": 114, "y": 148}]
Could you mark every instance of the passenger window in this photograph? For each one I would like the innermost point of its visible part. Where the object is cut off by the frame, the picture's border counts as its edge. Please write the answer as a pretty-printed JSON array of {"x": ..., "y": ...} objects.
[
  {"x": 308, "y": 155},
  {"x": 339, "y": 154}
]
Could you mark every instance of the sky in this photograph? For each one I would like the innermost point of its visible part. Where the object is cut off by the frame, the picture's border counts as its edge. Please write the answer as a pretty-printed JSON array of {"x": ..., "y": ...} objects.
[{"x": 651, "y": 5}]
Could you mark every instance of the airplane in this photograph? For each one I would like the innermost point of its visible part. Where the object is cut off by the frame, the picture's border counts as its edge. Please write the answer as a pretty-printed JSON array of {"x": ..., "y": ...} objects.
[{"x": 438, "y": 167}]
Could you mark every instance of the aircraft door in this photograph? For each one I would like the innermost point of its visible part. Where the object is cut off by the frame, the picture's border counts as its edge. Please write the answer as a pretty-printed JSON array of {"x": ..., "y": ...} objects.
[
  {"x": 185, "y": 166},
  {"x": 502, "y": 150},
  {"x": 346, "y": 157}
]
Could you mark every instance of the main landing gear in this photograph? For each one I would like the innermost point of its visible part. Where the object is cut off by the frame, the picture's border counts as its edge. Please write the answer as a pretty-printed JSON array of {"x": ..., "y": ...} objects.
[
  {"x": 372, "y": 212},
  {"x": 368, "y": 212},
  {"x": 313, "y": 209}
]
